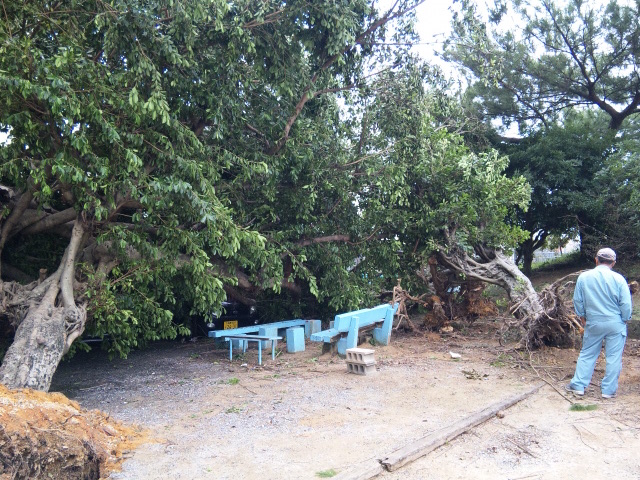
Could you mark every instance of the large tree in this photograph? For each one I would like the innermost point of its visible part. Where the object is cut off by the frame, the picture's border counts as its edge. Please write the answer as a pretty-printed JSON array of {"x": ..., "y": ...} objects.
[
  {"x": 563, "y": 55},
  {"x": 568, "y": 57},
  {"x": 561, "y": 163},
  {"x": 164, "y": 153},
  {"x": 608, "y": 212}
]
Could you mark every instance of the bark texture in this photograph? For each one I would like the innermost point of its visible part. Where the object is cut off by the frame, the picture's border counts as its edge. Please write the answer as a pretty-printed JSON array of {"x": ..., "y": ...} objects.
[
  {"x": 494, "y": 267},
  {"x": 51, "y": 324}
]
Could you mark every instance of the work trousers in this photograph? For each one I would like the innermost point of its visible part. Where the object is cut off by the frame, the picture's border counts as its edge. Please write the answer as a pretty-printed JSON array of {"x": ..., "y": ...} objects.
[{"x": 614, "y": 334}]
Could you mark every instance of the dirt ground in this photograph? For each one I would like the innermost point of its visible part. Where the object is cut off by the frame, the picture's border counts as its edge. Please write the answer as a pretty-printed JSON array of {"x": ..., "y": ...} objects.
[
  {"x": 46, "y": 435},
  {"x": 303, "y": 416}
]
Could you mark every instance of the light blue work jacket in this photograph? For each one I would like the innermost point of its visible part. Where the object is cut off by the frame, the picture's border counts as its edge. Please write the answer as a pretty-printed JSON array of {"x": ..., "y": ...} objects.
[{"x": 602, "y": 295}]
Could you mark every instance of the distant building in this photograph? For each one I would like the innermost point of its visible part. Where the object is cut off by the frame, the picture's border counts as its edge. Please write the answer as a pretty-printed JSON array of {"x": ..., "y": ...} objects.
[{"x": 544, "y": 254}]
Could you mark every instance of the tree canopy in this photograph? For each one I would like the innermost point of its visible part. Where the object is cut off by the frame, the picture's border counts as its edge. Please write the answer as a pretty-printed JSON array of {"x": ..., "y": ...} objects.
[
  {"x": 568, "y": 61},
  {"x": 561, "y": 163},
  {"x": 565, "y": 55}
]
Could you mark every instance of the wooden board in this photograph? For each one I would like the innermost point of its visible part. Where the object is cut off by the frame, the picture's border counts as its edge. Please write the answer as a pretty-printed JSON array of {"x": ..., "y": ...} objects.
[
  {"x": 434, "y": 440},
  {"x": 372, "y": 468}
]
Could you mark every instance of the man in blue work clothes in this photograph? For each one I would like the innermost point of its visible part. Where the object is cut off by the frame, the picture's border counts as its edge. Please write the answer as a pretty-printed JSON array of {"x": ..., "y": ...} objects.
[{"x": 603, "y": 302}]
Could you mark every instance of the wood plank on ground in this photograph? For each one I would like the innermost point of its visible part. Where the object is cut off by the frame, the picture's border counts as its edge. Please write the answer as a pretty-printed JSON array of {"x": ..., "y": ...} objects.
[
  {"x": 434, "y": 440},
  {"x": 424, "y": 445}
]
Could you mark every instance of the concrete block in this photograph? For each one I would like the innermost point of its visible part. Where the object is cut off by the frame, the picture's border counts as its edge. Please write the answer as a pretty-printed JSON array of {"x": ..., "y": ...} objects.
[
  {"x": 295, "y": 339},
  {"x": 362, "y": 356},
  {"x": 311, "y": 327},
  {"x": 269, "y": 332},
  {"x": 359, "y": 369},
  {"x": 341, "y": 346}
]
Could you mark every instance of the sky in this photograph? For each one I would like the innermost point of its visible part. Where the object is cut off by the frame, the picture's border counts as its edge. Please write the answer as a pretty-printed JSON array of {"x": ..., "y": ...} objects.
[{"x": 434, "y": 26}]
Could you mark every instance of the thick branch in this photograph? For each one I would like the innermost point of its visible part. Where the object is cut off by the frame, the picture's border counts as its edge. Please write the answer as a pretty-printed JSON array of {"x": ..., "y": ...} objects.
[
  {"x": 464, "y": 267},
  {"x": 327, "y": 239},
  {"x": 29, "y": 217},
  {"x": 68, "y": 273},
  {"x": 49, "y": 222},
  {"x": 14, "y": 216}
]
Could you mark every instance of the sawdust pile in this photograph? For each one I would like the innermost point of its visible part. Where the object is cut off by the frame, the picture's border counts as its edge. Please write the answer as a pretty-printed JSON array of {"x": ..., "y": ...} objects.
[{"x": 46, "y": 435}]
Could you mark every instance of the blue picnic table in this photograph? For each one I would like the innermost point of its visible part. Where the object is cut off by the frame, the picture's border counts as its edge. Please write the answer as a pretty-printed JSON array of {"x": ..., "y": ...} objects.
[
  {"x": 245, "y": 338},
  {"x": 263, "y": 333}
]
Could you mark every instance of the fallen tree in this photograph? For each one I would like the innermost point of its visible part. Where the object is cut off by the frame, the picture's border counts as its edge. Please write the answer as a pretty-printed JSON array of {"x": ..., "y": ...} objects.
[
  {"x": 493, "y": 267},
  {"x": 157, "y": 158},
  {"x": 451, "y": 209},
  {"x": 541, "y": 318}
]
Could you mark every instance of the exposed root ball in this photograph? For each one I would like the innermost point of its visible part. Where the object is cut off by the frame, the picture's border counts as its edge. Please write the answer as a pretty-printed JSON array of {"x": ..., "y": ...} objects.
[
  {"x": 558, "y": 325},
  {"x": 45, "y": 435}
]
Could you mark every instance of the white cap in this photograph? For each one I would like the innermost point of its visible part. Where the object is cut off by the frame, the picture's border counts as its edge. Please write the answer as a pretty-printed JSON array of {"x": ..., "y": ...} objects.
[{"x": 607, "y": 254}]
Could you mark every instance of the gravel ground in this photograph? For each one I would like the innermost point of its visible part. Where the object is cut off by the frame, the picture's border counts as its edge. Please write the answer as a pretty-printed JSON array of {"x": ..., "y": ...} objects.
[{"x": 303, "y": 416}]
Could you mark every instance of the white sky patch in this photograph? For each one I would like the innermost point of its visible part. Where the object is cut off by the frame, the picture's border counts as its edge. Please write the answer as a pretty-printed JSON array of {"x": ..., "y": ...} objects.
[
  {"x": 4, "y": 138},
  {"x": 434, "y": 25}
]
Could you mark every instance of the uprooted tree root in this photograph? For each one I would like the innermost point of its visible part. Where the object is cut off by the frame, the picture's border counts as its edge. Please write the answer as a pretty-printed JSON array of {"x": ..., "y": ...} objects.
[
  {"x": 441, "y": 311},
  {"x": 558, "y": 325},
  {"x": 401, "y": 297},
  {"x": 45, "y": 435}
]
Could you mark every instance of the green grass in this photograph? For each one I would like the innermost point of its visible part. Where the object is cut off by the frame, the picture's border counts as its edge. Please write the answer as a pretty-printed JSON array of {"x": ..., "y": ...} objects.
[
  {"x": 233, "y": 381},
  {"x": 577, "y": 407},
  {"x": 326, "y": 473},
  {"x": 569, "y": 260},
  {"x": 501, "y": 361}
]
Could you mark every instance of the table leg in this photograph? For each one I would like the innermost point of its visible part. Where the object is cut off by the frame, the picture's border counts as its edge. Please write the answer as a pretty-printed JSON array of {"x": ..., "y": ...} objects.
[
  {"x": 259, "y": 352},
  {"x": 273, "y": 349},
  {"x": 230, "y": 349}
]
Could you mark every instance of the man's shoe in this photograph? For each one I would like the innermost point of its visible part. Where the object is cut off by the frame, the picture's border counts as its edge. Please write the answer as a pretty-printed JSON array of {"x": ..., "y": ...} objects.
[
  {"x": 608, "y": 395},
  {"x": 573, "y": 390}
]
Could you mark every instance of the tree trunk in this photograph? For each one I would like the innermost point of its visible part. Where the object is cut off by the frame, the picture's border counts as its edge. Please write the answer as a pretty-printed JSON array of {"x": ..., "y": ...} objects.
[
  {"x": 525, "y": 254},
  {"x": 496, "y": 268},
  {"x": 527, "y": 248},
  {"x": 527, "y": 261},
  {"x": 53, "y": 321}
]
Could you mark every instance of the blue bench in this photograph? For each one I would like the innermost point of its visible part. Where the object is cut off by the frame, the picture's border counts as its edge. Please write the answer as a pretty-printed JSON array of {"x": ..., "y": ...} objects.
[
  {"x": 348, "y": 326},
  {"x": 245, "y": 339},
  {"x": 310, "y": 326}
]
